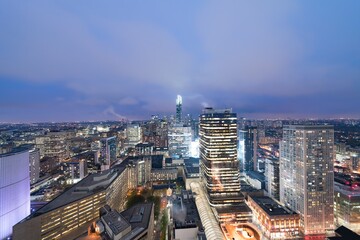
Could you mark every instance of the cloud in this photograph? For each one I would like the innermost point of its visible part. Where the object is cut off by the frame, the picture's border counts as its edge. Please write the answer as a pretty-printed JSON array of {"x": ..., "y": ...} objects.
[{"x": 111, "y": 111}]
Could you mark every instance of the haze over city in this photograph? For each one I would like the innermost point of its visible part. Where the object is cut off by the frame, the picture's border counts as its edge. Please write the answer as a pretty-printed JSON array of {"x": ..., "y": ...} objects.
[{"x": 69, "y": 61}]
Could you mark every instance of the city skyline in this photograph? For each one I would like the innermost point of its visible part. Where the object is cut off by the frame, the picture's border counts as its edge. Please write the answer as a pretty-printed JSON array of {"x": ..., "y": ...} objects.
[{"x": 78, "y": 61}]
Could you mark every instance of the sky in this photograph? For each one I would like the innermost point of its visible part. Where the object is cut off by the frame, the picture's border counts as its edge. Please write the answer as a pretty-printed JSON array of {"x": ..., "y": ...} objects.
[{"x": 108, "y": 60}]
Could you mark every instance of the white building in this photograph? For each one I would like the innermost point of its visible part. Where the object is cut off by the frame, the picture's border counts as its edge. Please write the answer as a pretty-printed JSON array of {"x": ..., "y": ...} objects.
[{"x": 14, "y": 189}]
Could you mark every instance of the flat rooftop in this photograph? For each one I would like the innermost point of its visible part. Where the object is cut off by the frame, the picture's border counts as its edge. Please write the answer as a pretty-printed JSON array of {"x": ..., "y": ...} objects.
[
  {"x": 184, "y": 211},
  {"x": 116, "y": 222},
  {"x": 138, "y": 216},
  {"x": 256, "y": 175},
  {"x": 271, "y": 207}
]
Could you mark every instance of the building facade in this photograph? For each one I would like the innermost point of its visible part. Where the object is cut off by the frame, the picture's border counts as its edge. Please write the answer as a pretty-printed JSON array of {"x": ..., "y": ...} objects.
[
  {"x": 307, "y": 175},
  {"x": 34, "y": 165},
  {"x": 250, "y": 149},
  {"x": 107, "y": 151},
  {"x": 14, "y": 189},
  {"x": 272, "y": 177},
  {"x": 347, "y": 206},
  {"x": 219, "y": 165},
  {"x": 179, "y": 140}
]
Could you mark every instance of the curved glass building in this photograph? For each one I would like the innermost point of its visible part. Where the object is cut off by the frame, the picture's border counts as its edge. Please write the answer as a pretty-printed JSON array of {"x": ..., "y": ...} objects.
[{"x": 14, "y": 189}]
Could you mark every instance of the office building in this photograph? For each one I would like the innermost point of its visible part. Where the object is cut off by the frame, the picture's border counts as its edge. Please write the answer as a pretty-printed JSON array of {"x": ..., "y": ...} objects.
[
  {"x": 34, "y": 165},
  {"x": 251, "y": 149},
  {"x": 307, "y": 177},
  {"x": 156, "y": 132},
  {"x": 347, "y": 204},
  {"x": 178, "y": 109},
  {"x": 219, "y": 165},
  {"x": 133, "y": 135},
  {"x": 54, "y": 144},
  {"x": 107, "y": 151},
  {"x": 179, "y": 140},
  {"x": 69, "y": 215},
  {"x": 272, "y": 178},
  {"x": 14, "y": 189}
]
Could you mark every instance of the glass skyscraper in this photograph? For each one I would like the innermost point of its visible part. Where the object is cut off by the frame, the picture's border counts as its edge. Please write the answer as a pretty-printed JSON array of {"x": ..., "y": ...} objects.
[
  {"x": 218, "y": 153},
  {"x": 307, "y": 176}
]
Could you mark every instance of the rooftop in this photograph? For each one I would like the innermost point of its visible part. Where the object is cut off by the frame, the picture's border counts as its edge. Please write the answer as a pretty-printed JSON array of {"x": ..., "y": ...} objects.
[
  {"x": 115, "y": 221},
  {"x": 271, "y": 207},
  {"x": 138, "y": 216},
  {"x": 91, "y": 184},
  {"x": 256, "y": 175}
]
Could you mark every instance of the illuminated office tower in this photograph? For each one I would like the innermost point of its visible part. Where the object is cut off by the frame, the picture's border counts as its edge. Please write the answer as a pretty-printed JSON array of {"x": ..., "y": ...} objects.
[
  {"x": 14, "y": 189},
  {"x": 251, "y": 149},
  {"x": 307, "y": 176},
  {"x": 178, "y": 109},
  {"x": 218, "y": 153}
]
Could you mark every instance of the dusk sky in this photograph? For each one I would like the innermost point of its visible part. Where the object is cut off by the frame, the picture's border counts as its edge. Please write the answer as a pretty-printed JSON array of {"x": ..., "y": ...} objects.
[{"x": 105, "y": 60}]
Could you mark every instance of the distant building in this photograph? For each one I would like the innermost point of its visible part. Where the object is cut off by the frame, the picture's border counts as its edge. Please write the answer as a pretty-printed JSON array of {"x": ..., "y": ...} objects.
[
  {"x": 139, "y": 170},
  {"x": 55, "y": 144},
  {"x": 34, "y": 165},
  {"x": 178, "y": 109},
  {"x": 165, "y": 174},
  {"x": 274, "y": 220},
  {"x": 107, "y": 151},
  {"x": 14, "y": 189},
  {"x": 133, "y": 135},
  {"x": 156, "y": 132},
  {"x": 250, "y": 149},
  {"x": 272, "y": 178},
  {"x": 307, "y": 175},
  {"x": 179, "y": 140}
]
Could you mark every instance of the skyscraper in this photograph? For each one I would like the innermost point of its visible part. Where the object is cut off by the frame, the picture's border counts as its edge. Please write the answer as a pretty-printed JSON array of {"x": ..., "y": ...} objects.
[
  {"x": 307, "y": 177},
  {"x": 178, "y": 109},
  {"x": 107, "y": 151},
  {"x": 218, "y": 153},
  {"x": 251, "y": 149}
]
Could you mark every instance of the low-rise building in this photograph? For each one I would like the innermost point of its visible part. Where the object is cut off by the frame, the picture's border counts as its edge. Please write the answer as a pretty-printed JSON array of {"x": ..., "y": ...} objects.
[
  {"x": 274, "y": 220},
  {"x": 68, "y": 215}
]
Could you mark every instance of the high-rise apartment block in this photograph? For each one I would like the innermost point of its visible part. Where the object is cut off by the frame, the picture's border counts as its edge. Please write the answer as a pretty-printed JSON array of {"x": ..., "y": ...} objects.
[
  {"x": 307, "y": 177},
  {"x": 218, "y": 153}
]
